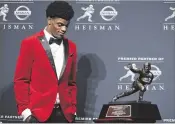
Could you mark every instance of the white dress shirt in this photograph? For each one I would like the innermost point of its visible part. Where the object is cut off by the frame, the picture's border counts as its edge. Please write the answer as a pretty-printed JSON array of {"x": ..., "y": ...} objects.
[{"x": 58, "y": 57}]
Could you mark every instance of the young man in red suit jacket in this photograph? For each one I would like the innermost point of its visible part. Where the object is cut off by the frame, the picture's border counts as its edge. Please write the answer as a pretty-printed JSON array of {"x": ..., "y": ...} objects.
[{"x": 45, "y": 77}]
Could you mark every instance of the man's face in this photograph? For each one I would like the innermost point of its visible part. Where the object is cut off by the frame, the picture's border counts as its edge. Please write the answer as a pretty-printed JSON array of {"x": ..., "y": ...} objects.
[{"x": 57, "y": 27}]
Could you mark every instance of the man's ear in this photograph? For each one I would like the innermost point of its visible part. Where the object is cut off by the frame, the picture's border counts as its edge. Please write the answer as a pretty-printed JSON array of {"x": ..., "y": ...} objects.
[{"x": 49, "y": 20}]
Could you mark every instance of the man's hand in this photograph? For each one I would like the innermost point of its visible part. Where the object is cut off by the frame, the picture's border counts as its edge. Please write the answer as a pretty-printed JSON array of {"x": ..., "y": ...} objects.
[
  {"x": 31, "y": 119},
  {"x": 74, "y": 117}
]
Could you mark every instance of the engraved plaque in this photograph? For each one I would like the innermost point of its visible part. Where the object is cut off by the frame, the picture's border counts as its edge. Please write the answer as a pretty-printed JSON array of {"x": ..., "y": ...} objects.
[{"x": 119, "y": 111}]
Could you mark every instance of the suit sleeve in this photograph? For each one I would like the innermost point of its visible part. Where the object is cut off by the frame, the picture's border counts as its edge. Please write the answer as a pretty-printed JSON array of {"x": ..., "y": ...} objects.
[
  {"x": 22, "y": 76},
  {"x": 72, "y": 81}
]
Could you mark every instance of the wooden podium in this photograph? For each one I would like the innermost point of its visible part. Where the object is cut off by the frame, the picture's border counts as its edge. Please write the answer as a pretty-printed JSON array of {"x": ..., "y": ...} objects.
[{"x": 129, "y": 112}]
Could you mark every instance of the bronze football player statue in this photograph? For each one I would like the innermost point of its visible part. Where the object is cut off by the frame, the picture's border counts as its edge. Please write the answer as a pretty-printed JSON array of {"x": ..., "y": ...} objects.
[{"x": 145, "y": 78}]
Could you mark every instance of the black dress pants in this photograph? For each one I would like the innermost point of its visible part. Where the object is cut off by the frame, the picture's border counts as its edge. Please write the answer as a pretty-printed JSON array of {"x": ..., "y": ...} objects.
[{"x": 57, "y": 116}]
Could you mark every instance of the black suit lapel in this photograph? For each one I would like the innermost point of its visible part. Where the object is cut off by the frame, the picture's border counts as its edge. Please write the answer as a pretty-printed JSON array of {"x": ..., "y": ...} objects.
[{"x": 47, "y": 49}]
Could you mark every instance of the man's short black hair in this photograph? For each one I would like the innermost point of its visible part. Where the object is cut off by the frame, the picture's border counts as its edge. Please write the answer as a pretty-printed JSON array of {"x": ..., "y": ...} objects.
[{"x": 60, "y": 9}]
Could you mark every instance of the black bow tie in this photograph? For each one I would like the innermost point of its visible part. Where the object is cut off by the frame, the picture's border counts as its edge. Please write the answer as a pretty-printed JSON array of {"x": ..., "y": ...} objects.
[{"x": 53, "y": 40}]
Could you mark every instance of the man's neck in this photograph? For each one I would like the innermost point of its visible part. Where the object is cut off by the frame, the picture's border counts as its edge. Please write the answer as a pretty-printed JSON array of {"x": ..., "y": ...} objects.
[{"x": 48, "y": 30}]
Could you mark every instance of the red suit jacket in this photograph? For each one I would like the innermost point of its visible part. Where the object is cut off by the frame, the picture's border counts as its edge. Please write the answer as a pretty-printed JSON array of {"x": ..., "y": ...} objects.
[{"x": 35, "y": 82}]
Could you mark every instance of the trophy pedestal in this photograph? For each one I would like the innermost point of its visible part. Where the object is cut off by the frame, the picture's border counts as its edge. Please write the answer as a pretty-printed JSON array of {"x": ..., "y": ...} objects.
[{"x": 129, "y": 112}]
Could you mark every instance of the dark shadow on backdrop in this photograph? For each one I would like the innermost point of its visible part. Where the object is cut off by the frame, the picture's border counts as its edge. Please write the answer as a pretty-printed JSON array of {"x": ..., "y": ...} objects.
[{"x": 90, "y": 71}]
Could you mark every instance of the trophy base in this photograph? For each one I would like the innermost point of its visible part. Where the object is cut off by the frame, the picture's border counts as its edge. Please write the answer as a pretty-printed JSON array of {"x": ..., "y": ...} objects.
[{"x": 129, "y": 112}]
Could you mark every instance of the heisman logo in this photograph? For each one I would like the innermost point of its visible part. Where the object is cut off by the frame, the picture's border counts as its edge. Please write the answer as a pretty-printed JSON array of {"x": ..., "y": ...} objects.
[
  {"x": 172, "y": 15},
  {"x": 3, "y": 11},
  {"x": 154, "y": 69},
  {"x": 88, "y": 13},
  {"x": 108, "y": 13},
  {"x": 22, "y": 13}
]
